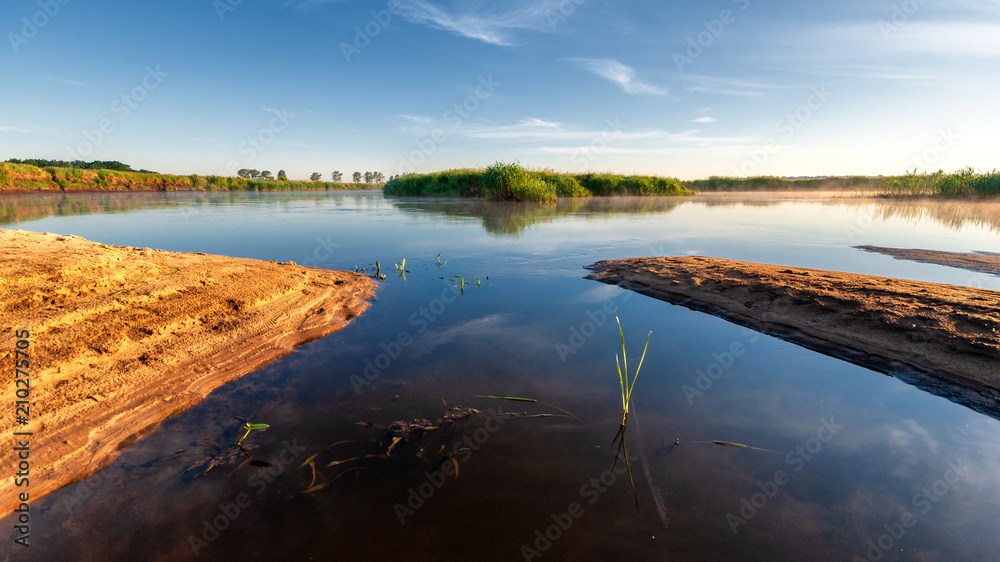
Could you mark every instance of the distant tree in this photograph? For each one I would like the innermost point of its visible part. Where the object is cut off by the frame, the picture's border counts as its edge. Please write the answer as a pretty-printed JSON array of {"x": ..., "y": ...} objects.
[
  {"x": 316, "y": 176},
  {"x": 379, "y": 177},
  {"x": 337, "y": 177},
  {"x": 254, "y": 174},
  {"x": 282, "y": 176},
  {"x": 368, "y": 177},
  {"x": 266, "y": 175},
  {"x": 357, "y": 177},
  {"x": 243, "y": 173},
  {"x": 113, "y": 165}
]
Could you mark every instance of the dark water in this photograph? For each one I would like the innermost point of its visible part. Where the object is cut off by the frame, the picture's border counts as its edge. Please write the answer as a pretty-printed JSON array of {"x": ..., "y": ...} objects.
[{"x": 848, "y": 462}]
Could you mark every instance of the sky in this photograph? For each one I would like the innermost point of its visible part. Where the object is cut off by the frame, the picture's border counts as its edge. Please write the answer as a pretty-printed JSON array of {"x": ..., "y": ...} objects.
[{"x": 668, "y": 87}]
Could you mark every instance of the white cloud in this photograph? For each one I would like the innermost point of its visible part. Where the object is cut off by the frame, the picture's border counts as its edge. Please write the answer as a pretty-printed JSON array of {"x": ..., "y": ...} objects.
[
  {"x": 724, "y": 86},
  {"x": 32, "y": 130},
  {"x": 495, "y": 23},
  {"x": 704, "y": 120},
  {"x": 307, "y": 5},
  {"x": 76, "y": 83},
  {"x": 279, "y": 112},
  {"x": 569, "y": 138},
  {"x": 622, "y": 75},
  {"x": 415, "y": 118}
]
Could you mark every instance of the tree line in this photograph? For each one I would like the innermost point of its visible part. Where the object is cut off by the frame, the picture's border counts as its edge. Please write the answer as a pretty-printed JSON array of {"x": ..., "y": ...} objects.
[
  {"x": 245, "y": 173},
  {"x": 336, "y": 176},
  {"x": 112, "y": 165}
]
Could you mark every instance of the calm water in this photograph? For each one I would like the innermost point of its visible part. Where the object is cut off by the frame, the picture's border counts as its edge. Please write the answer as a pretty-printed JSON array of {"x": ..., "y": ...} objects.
[{"x": 849, "y": 462}]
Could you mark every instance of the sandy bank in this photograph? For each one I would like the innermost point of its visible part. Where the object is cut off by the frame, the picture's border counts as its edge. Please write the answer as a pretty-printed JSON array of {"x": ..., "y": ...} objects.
[
  {"x": 943, "y": 338},
  {"x": 122, "y": 338},
  {"x": 986, "y": 262}
]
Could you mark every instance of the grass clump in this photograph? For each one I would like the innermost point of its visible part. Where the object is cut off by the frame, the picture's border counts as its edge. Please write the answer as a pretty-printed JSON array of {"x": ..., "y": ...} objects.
[
  {"x": 565, "y": 186},
  {"x": 963, "y": 183},
  {"x": 451, "y": 183},
  {"x": 534, "y": 189},
  {"x": 607, "y": 184},
  {"x": 500, "y": 180},
  {"x": 626, "y": 390},
  {"x": 511, "y": 182}
]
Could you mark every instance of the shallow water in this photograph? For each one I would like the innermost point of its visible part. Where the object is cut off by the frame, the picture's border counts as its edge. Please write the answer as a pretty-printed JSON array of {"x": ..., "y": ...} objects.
[{"x": 849, "y": 455}]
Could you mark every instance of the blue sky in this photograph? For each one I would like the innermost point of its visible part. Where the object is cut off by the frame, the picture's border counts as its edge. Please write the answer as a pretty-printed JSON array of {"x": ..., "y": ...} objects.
[{"x": 682, "y": 89}]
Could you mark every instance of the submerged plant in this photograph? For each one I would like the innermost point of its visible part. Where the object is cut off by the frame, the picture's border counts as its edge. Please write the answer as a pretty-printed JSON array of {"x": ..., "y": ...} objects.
[
  {"x": 250, "y": 427},
  {"x": 626, "y": 390},
  {"x": 377, "y": 268}
]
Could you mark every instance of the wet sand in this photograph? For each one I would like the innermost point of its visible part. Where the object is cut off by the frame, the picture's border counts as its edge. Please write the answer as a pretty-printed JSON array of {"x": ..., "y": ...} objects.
[
  {"x": 942, "y": 338},
  {"x": 123, "y": 338},
  {"x": 986, "y": 262}
]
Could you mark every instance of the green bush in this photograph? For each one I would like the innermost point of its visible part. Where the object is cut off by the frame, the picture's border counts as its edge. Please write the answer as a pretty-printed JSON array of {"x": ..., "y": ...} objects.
[
  {"x": 565, "y": 186},
  {"x": 601, "y": 184},
  {"x": 533, "y": 189},
  {"x": 502, "y": 179}
]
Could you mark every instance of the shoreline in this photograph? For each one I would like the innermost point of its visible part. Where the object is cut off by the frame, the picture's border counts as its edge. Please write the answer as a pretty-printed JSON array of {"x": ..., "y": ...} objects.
[
  {"x": 123, "y": 338},
  {"x": 980, "y": 261},
  {"x": 54, "y": 189},
  {"x": 944, "y": 339}
]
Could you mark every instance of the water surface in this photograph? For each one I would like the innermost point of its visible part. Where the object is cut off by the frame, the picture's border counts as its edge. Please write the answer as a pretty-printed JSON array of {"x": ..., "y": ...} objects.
[{"x": 854, "y": 463}]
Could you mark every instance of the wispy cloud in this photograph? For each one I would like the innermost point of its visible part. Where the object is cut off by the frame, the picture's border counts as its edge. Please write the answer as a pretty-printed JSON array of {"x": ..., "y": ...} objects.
[
  {"x": 908, "y": 50},
  {"x": 279, "y": 112},
  {"x": 307, "y": 5},
  {"x": 496, "y": 23},
  {"x": 622, "y": 75},
  {"x": 542, "y": 131},
  {"x": 33, "y": 130},
  {"x": 66, "y": 81},
  {"x": 415, "y": 118},
  {"x": 704, "y": 120},
  {"x": 724, "y": 86}
]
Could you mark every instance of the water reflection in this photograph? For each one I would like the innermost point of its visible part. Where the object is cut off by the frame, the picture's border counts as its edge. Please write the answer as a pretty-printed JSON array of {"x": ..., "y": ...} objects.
[
  {"x": 952, "y": 213},
  {"x": 842, "y": 490},
  {"x": 511, "y": 219},
  {"x": 502, "y": 218}
]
